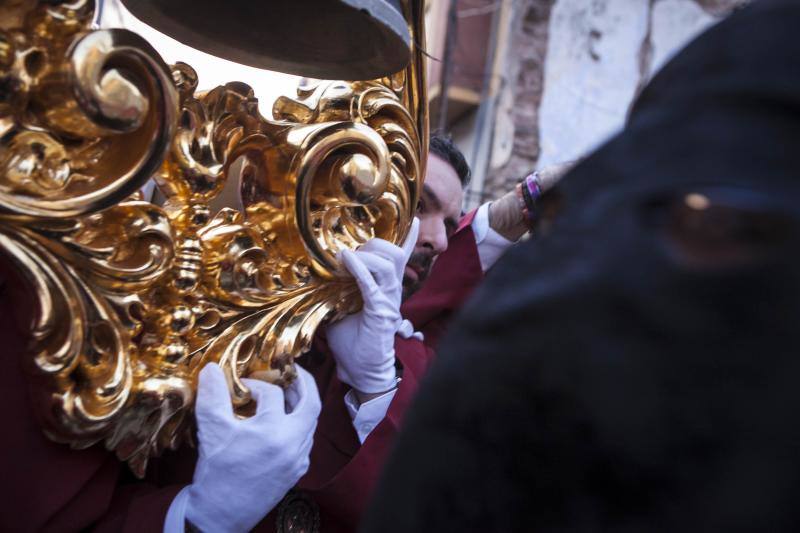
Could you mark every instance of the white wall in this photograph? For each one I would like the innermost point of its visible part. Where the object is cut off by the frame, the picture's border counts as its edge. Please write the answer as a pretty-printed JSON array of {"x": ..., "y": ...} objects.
[{"x": 599, "y": 53}]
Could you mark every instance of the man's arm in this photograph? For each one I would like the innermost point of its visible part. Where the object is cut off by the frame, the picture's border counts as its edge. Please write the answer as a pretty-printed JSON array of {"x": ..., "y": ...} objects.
[
  {"x": 500, "y": 223},
  {"x": 491, "y": 244}
]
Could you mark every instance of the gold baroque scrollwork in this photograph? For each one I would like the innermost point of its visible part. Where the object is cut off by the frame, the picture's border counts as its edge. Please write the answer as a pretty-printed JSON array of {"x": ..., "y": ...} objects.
[{"x": 135, "y": 298}]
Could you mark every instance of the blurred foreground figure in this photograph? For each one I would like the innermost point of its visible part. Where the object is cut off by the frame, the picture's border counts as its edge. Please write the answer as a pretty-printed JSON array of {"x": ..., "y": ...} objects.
[{"x": 636, "y": 369}]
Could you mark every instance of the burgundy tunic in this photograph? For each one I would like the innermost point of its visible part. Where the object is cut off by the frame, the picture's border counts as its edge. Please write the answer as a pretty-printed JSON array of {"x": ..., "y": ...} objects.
[{"x": 47, "y": 486}]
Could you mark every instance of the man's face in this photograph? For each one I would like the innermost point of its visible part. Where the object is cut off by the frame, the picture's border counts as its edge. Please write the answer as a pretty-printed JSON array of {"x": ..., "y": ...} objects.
[{"x": 439, "y": 211}]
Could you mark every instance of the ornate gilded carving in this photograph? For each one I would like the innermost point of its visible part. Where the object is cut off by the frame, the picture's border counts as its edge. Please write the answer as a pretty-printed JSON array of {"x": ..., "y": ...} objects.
[{"x": 135, "y": 298}]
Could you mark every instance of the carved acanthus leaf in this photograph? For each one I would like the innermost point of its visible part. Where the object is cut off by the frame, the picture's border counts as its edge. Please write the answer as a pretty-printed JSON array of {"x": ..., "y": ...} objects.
[{"x": 135, "y": 298}]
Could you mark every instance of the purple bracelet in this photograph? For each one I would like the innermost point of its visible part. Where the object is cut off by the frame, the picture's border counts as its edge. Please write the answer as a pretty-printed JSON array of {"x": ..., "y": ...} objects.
[
  {"x": 528, "y": 192},
  {"x": 532, "y": 184}
]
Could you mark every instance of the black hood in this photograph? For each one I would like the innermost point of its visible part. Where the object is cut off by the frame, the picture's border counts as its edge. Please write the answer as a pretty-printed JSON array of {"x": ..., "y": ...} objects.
[{"x": 637, "y": 368}]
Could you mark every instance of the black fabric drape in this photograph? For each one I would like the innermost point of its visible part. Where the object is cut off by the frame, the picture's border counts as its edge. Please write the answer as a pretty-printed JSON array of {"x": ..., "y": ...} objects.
[{"x": 637, "y": 368}]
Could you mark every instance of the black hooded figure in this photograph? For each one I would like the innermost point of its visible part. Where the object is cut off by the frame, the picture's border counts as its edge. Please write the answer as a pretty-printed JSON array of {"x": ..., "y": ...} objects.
[{"x": 637, "y": 368}]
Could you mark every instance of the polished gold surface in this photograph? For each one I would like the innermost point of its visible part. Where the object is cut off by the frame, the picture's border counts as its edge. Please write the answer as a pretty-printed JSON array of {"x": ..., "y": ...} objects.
[{"x": 135, "y": 298}]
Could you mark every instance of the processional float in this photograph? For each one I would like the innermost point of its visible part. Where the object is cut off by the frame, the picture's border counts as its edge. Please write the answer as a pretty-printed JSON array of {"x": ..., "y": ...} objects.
[{"x": 135, "y": 298}]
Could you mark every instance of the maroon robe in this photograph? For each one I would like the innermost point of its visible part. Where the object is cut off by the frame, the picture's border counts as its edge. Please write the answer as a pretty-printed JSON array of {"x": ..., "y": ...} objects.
[{"x": 49, "y": 487}]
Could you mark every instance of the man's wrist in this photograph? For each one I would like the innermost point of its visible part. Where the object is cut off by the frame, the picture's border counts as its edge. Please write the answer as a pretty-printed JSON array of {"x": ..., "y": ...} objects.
[
  {"x": 506, "y": 218},
  {"x": 364, "y": 397}
]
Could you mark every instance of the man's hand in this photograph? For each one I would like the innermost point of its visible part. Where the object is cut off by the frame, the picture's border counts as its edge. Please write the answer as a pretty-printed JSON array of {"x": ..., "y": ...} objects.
[
  {"x": 363, "y": 343},
  {"x": 245, "y": 467},
  {"x": 505, "y": 213}
]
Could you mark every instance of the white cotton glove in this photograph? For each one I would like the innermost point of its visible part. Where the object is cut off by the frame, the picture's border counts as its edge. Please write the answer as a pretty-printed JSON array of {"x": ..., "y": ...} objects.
[
  {"x": 406, "y": 330},
  {"x": 363, "y": 343},
  {"x": 246, "y": 466}
]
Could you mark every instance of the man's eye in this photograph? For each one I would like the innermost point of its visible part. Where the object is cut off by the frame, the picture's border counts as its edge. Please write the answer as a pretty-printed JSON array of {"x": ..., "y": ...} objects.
[{"x": 420, "y": 206}]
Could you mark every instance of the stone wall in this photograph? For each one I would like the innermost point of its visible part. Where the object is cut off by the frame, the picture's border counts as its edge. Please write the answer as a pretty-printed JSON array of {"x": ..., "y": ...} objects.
[
  {"x": 572, "y": 70},
  {"x": 516, "y": 137}
]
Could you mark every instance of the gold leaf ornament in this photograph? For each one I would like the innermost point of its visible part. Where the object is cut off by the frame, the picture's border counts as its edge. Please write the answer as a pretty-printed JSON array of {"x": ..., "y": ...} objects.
[{"x": 135, "y": 298}]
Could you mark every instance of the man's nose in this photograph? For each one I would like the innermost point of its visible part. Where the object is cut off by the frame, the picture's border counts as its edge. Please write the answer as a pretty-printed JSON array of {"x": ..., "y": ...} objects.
[{"x": 432, "y": 235}]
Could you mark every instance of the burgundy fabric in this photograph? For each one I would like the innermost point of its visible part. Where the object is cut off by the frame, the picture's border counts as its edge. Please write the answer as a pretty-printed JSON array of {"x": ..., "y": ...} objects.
[
  {"x": 343, "y": 473},
  {"x": 453, "y": 277},
  {"x": 46, "y": 485}
]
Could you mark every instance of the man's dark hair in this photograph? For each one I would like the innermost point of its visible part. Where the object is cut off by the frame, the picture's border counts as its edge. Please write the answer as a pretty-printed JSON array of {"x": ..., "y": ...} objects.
[{"x": 443, "y": 146}]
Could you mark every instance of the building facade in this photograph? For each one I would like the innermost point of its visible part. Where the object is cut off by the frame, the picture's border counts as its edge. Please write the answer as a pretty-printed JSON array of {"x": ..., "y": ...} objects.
[{"x": 559, "y": 78}]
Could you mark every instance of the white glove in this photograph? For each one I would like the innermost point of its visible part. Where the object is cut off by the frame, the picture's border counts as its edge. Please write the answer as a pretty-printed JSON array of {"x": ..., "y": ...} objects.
[
  {"x": 406, "y": 330},
  {"x": 246, "y": 466},
  {"x": 363, "y": 343}
]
